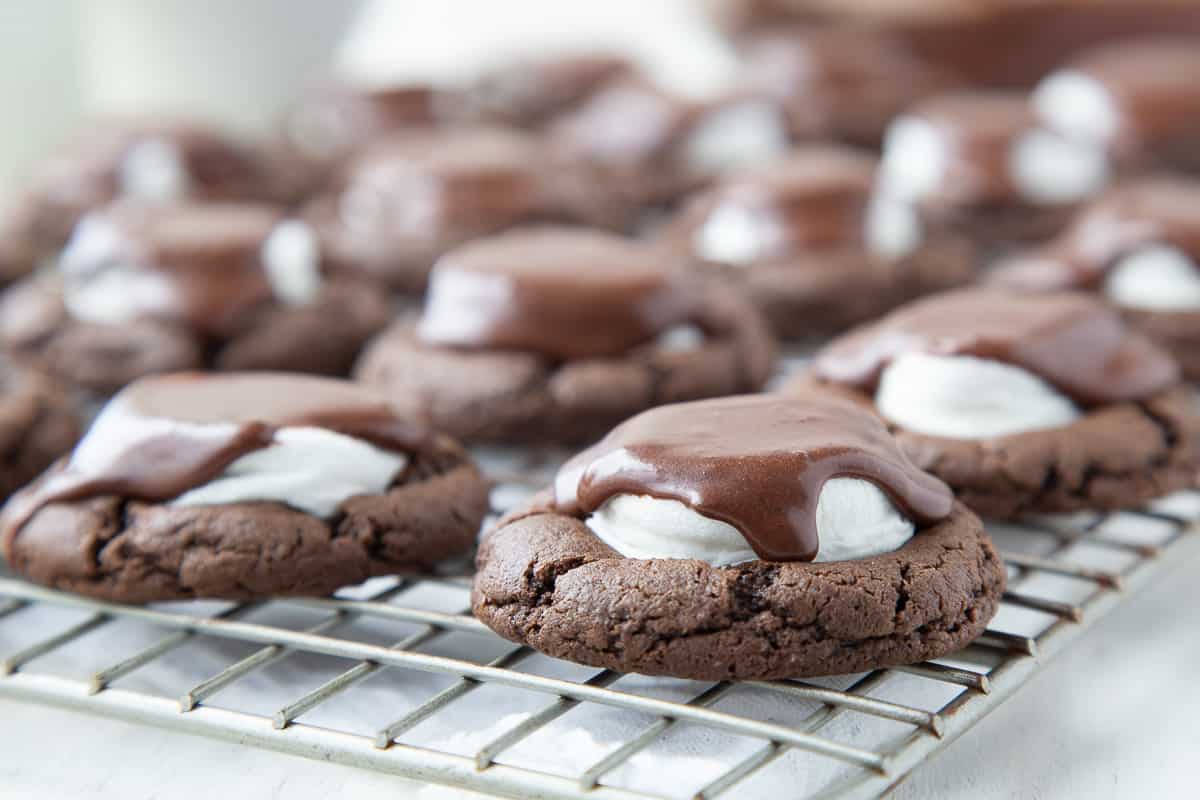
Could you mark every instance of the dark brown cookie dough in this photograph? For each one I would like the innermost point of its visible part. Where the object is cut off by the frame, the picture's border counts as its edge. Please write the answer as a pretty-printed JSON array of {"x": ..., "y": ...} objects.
[
  {"x": 323, "y": 337},
  {"x": 515, "y": 396},
  {"x": 131, "y": 552},
  {"x": 39, "y": 421},
  {"x": 545, "y": 580},
  {"x": 817, "y": 273}
]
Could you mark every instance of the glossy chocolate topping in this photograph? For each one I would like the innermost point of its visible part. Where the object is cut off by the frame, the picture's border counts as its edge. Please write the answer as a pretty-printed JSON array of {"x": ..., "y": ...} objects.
[
  {"x": 1152, "y": 211},
  {"x": 1155, "y": 84},
  {"x": 815, "y": 197},
  {"x": 530, "y": 92},
  {"x": 563, "y": 292},
  {"x": 172, "y": 433},
  {"x": 1073, "y": 341},
  {"x": 755, "y": 462},
  {"x": 979, "y": 129},
  {"x": 481, "y": 178},
  {"x": 208, "y": 257}
]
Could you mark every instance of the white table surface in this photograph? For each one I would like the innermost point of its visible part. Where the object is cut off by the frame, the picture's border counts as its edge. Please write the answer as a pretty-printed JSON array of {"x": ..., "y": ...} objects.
[{"x": 1115, "y": 716}]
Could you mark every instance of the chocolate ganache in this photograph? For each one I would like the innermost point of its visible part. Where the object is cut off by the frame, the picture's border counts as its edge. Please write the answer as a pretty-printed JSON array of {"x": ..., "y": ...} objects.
[
  {"x": 1073, "y": 341},
  {"x": 1154, "y": 85},
  {"x": 755, "y": 462},
  {"x": 167, "y": 434},
  {"x": 1152, "y": 211},
  {"x": 816, "y": 197},
  {"x": 204, "y": 260},
  {"x": 563, "y": 292}
]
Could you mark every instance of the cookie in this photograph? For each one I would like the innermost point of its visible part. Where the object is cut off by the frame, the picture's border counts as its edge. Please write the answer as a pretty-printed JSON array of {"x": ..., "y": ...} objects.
[
  {"x": 1023, "y": 403},
  {"x": 1138, "y": 246},
  {"x": 979, "y": 161},
  {"x": 814, "y": 244},
  {"x": 555, "y": 334},
  {"x": 1138, "y": 98},
  {"x": 683, "y": 544},
  {"x": 838, "y": 82},
  {"x": 243, "y": 486},
  {"x": 39, "y": 422},
  {"x": 407, "y": 199},
  {"x": 141, "y": 290},
  {"x": 147, "y": 161},
  {"x": 646, "y": 147}
]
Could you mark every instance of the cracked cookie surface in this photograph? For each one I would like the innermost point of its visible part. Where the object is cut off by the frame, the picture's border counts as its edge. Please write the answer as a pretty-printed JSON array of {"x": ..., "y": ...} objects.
[
  {"x": 126, "y": 551},
  {"x": 545, "y": 580}
]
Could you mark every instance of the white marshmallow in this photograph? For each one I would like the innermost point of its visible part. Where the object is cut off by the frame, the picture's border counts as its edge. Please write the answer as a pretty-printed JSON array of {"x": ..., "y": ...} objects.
[
  {"x": 735, "y": 235},
  {"x": 1049, "y": 168},
  {"x": 892, "y": 229},
  {"x": 964, "y": 397},
  {"x": 1077, "y": 105},
  {"x": 740, "y": 135},
  {"x": 154, "y": 170},
  {"x": 463, "y": 293},
  {"x": 681, "y": 339},
  {"x": 855, "y": 519},
  {"x": 915, "y": 159},
  {"x": 1155, "y": 278},
  {"x": 114, "y": 293},
  {"x": 310, "y": 469},
  {"x": 291, "y": 256}
]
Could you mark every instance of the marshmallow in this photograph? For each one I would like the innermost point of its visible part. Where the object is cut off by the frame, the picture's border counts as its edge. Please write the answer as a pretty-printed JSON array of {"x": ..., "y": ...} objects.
[
  {"x": 1155, "y": 278},
  {"x": 291, "y": 256},
  {"x": 915, "y": 159},
  {"x": 855, "y": 519},
  {"x": 1049, "y": 168},
  {"x": 740, "y": 135},
  {"x": 892, "y": 228},
  {"x": 736, "y": 235},
  {"x": 116, "y": 293},
  {"x": 964, "y": 397},
  {"x": 1077, "y": 105},
  {"x": 154, "y": 170},
  {"x": 310, "y": 469}
]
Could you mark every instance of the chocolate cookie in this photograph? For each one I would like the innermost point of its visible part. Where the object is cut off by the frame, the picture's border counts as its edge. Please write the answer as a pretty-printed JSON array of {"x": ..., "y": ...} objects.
[
  {"x": 813, "y": 243},
  {"x": 407, "y": 199},
  {"x": 1139, "y": 247},
  {"x": 149, "y": 161},
  {"x": 556, "y": 334},
  {"x": 145, "y": 289},
  {"x": 38, "y": 423},
  {"x": 649, "y": 587},
  {"x": 243, "y": 486},
  {"x": 839, "y": 82},
  {"x": 647, "y": 147},
  {"x": 1023, "y": 403},
  {"x": 1137, "y": 98},
  {"x": 981, "y": 162}
]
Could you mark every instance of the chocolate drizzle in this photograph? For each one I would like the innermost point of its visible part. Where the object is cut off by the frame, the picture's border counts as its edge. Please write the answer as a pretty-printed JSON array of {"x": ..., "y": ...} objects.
[
  {"x": 208, "y": 257},
  {"x": 1072, "y": 341},
  {"x": 1153, "y": 211},
  {"x": 755, "y": 462},
  {"x": 563, "y": 292},
  {"x": 172, "y": 433}
]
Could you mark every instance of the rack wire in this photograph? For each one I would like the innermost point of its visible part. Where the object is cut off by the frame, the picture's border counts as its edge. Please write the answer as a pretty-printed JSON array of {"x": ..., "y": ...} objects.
[{"x": 396, "y": 676}]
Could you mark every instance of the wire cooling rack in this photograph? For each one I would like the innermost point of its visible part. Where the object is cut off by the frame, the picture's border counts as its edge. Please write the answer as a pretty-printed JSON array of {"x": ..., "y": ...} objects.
[{"x": 395, "y": 676}]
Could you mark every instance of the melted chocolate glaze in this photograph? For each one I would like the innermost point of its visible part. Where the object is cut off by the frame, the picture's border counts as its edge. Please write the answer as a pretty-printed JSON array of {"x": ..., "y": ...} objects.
[
  {"x": 755, "y": 462},
  {"x": 209, "y": 255},
  {"x": 219, "y": 419},
  {"x": 1149, "y": 212},
  {"x": 563, "y": 292},
  {"x": 979, "y": 129},
  {"x": 815, "y": 197},
  {"x": 1072, "y": 341},
  {"x": 1155, "y": 84}
]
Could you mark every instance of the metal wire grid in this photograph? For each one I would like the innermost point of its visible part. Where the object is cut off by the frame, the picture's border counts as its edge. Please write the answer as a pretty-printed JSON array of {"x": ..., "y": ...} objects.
[{"x": 980, "y": 677}]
